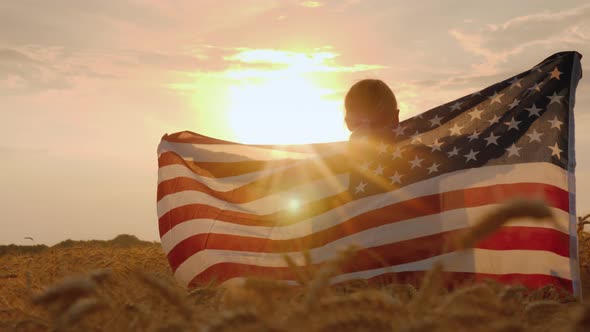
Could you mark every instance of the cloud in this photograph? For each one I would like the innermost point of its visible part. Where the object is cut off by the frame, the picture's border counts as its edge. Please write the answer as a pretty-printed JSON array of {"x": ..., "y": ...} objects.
[
  {"x": 121, "y": 24},
  {"x": 238, "y": 64},
  {"x": 544, "y": 17},
  {"x": 15, "y": 57},
  {"x": 314, "y": 61},
  {"x": 524, "y": 37},
  {"x": 32, "y": 69},
  {"x": 23, "y": 72},
  {"x": 280, "y": 56},
  {"x": 311, "y": 4}
]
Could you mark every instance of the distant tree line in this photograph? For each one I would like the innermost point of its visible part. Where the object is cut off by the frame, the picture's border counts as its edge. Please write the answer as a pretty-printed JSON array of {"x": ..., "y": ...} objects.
[{"x": 122, "y": 240}]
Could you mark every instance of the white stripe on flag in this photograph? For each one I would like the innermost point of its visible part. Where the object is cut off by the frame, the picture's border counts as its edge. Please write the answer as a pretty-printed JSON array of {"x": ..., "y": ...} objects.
[{"x": 228, "y": 153}]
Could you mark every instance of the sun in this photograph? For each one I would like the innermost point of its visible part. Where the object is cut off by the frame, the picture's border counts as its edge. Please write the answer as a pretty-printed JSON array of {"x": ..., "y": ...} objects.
[
  {"x": 284, "y": 105},
  {"x": 284, "y": 110}
]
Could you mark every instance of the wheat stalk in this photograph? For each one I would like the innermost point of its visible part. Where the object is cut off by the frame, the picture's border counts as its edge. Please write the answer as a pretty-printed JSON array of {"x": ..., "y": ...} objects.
[
  {"x": 517, "y": 208},
  {"x": 167, "y": 293},
  {"x": 68, "y": 289},
  {"x": 79, "y": 309},
  {"x": 322, "y": 279}
]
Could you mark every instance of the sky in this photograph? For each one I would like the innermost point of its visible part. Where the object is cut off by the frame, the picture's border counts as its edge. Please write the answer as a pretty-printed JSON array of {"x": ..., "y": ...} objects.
[{"x": 88, "y": 88}]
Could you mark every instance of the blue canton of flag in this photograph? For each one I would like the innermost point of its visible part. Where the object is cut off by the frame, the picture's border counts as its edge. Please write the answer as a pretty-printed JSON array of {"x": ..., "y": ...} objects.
[{"x": 525, "y": 119}]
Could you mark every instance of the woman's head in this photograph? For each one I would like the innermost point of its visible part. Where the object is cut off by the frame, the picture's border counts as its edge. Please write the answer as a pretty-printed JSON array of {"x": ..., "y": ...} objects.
[{"x": 370, "y": 102}]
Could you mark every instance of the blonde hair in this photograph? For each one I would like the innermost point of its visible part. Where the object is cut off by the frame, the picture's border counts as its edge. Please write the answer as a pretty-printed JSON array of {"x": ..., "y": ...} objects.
[{"x": 370, "y": 102}]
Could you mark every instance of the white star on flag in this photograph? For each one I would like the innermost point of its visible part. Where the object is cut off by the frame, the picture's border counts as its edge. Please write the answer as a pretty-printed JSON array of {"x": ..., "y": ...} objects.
[
  {"x": 456, "y": 130},
  {"x": 496, "y": 98},
  {"x": 417, "y": 137},
  {"x": 555, "y": 98},
  {"x": 492, "y": 139},
  {"x": 535, "y": 136},
  {"x": 453, "y": 152},
  {"x": 555, "y": 73},
  {"x": 436, "y": 145},
  {"x": 473, "y": 136},
  {"x": 555, "y": 123},
  {"x": 513, "y": 150},
  {"x": 514, "y": 104},
  {"x": 360, "y": 188},
  {"x": 534, "y": 111},
  {"x": 433, "y": 168},
  {"x": 397, "y": 153},
  {"x": 512, "y": 124},
  {"x": 399, "y": 130},
  {"x": 555, "y": 151},
  {"x": 536, "y": 87},
  {"x": 471, "y": 155},
  {"x": 456, "y": 106},
  {"x": 493, "y": 120},
  {"x": 416, "y": 162},
  {"x": 475, "y": 114},
  {"x": 379, "y": 170},
  {"x": 435, "y": 121},
  {"x": 396, "y": 178},
  {"x": 515, "y": 82}
]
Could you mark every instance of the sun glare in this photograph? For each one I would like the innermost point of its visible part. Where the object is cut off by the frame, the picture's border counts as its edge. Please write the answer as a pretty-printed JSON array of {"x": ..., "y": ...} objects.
[{"x": 285, "y": 105}]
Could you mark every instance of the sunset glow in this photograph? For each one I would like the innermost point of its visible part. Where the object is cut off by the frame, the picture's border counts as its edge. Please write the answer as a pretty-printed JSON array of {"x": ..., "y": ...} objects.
[{"x": 88, "y": 90}]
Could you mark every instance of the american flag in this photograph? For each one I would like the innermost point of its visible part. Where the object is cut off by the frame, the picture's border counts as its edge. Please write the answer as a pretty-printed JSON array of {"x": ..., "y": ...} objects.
[{"x": 229, "y": 210}]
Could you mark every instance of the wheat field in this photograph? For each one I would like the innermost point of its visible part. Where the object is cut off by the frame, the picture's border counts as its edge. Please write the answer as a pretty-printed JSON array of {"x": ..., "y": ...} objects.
[{"x": 93, "y": 287}]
